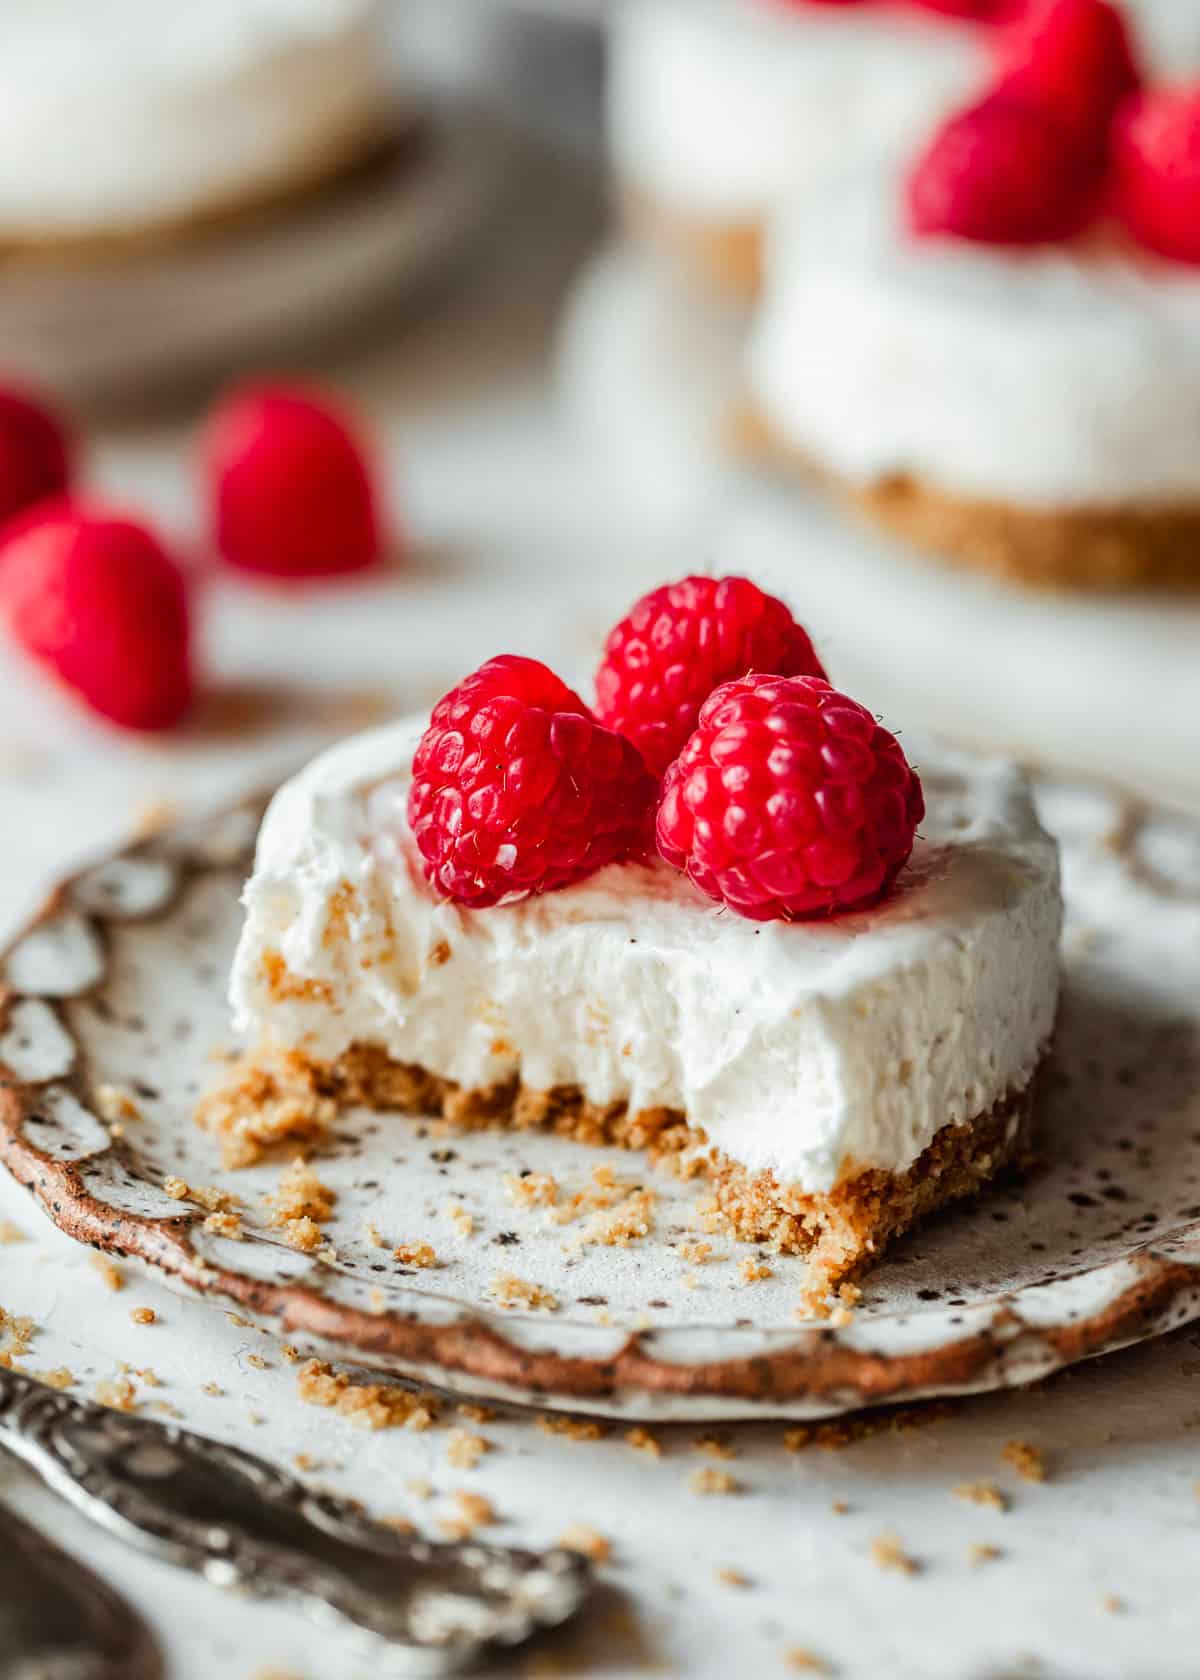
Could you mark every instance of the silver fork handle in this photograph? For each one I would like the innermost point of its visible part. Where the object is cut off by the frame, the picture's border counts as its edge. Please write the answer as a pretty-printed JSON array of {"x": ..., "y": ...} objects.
[{"x": 240, "y": 1522}]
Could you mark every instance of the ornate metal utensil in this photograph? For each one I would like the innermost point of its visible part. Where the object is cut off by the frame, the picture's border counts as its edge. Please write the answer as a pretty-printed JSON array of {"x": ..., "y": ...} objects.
[{"x": 238, "y": 1521}]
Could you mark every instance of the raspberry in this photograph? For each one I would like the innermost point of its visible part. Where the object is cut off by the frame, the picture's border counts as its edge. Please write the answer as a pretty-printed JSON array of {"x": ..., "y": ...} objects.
[
  {"x": 517, "y": 789},
  {"x": 98, "y": 602},
  {"x": 290, "y": 490},
  {"x": 1156, "y": 189},
  {"x": 1074, "y": 58},
  {"x": 789, "y": 801},
  {"x": 35, "y": 458},
  {"x": 678, "y": 643},
  {"x": 1002, "y": 172}
]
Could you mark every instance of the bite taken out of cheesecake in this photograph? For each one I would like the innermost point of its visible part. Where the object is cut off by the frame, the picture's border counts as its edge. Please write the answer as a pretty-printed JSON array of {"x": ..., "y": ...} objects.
[{"x": 837, "y": 1057}]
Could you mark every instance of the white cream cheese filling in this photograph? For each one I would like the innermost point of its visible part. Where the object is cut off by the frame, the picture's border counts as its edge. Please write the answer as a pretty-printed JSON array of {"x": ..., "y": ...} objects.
[
  {"x": 718, "y": 107},
  {"x": 1057, "y": 376},
  {"x": 805, "y": 1048}
]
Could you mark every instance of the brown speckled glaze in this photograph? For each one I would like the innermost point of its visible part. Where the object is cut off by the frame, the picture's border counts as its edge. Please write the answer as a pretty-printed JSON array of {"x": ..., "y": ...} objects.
[{"x": 119, "y": 981}]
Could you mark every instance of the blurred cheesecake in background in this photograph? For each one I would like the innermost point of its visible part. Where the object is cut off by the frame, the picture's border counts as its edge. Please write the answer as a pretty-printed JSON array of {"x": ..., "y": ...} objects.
[
  {"x": 1098, "y": 682},
  {"x": 990, "y": 345},
  {"x": 718, "y": 108},
  {"x": 124, "y": 118},
  {"x": 1035, "y": 412}
]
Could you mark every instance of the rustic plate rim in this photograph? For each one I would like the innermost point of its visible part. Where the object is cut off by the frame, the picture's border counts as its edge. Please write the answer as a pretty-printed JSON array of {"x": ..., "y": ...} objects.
[{"x": 812, "y": 1370}]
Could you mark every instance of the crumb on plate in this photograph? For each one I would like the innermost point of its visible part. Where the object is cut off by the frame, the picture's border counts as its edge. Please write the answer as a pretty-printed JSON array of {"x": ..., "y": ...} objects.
[{"x": 509, "y": 1291}]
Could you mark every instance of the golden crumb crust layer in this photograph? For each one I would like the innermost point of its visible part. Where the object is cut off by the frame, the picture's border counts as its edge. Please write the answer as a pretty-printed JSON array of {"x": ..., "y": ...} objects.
[
  {"x": 1096, "y": 549},
  {"x": 271, "y": 1098},
  {"x": 726, "y": 256}
]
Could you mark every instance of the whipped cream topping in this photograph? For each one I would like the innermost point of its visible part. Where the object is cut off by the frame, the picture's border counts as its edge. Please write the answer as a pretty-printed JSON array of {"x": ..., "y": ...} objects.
[
  {"x": 1054, "y": 376},
  {"x": 717, "y": 107},
  {"x": 807, "y": 1049},
  {"x": 121, "y": 114}
]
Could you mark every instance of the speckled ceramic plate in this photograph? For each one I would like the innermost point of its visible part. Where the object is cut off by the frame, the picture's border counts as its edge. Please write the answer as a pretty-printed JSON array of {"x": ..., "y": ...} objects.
[
  {"x": 119, "y": 983},
  {"x": 132, "y": 322}
]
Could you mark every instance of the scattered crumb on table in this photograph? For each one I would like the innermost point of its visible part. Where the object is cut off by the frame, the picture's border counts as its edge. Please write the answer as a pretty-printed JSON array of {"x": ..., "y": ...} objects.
[
  {"x": 110, "y": 1275},
  {"x": 1028, "y": 1461},
  {"x": 804, "y": 1661},
  {"x": 574, "y": 1428},
  {"x": 979, "y": 1552},
  {"x": 117, "y": 1393},
  {"x": 61, "y": 1377},
  {"x": 464, "y": 1448},
  {"x": 580, "y": 1538},
  {"x": 473, "y": 1511},
  {"x": 888, "y": 1553},
  {"x": 710, "y": 1480},
  {"x": 16, "y": 1333},
  {"x": 982, "y": 1493}
]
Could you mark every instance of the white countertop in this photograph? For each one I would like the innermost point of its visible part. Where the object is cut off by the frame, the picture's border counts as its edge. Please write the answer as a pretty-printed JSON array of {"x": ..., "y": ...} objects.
[{"x": 515, "y": 546}]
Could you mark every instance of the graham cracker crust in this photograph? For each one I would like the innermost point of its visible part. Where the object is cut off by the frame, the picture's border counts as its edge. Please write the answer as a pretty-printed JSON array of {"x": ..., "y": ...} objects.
[
  {"x": 1155, "y": 546},
  {"x": 727, "y": 257},
  {"x": 269, "y": 1098}
]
